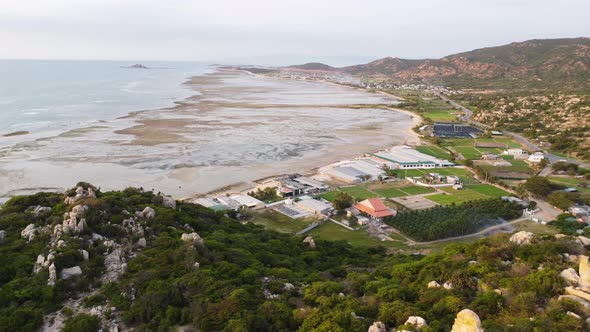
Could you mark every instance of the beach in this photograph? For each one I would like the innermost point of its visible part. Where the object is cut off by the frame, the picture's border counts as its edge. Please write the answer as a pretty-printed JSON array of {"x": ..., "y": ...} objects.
[{"x": 236, "y": 128}]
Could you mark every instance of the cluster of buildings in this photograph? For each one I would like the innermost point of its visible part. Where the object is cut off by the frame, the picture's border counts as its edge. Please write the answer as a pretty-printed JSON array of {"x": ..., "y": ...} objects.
[
  {"x": 521, "y": 154},
  {"x": 296, "y": 185},
  {"x": 230, "y": 202},
  {"x": 355, "y": 171}
]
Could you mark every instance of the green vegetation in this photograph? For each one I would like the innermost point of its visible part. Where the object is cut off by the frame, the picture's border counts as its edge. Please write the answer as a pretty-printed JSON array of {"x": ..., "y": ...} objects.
[
  {"x": 279, "y": 222},
  {"x": 417, "y": 190},
  {"x": 268, "y": 195},
  {"x": 567, "y": 224},
  {"x": 434, "y": 151},
  {"x": 252, "y": 279},
  {"x": 359, "y": 193},
  {"x": 442, "y": 222},
  {"x": 488, "y": 190}
]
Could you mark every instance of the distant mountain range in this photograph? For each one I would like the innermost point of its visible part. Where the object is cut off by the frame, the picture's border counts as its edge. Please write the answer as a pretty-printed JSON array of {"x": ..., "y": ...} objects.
[{"x": 538, "y": 63}]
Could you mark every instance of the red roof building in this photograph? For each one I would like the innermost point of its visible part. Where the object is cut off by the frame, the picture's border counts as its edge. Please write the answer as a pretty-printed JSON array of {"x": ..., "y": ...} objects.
[{"x": 375, "y": 208}]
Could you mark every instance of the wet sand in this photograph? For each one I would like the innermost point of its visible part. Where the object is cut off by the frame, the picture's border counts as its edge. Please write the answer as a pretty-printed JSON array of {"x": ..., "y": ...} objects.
[{"x": 236, "y": 128}]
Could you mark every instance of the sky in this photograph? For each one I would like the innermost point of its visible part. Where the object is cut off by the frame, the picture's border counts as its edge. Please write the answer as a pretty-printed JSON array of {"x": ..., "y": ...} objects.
[{"x": 337, "y": 32}]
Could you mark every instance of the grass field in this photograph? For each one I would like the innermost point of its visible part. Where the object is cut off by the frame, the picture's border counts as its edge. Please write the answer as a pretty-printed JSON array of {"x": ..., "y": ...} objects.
[
  {"x": 441, "y": 115},
  {"x": 410, "y": 172},
  {"x": 280, "y": 222},
  {"x": 358, "y": 193},
  {"x": 329, "y": 196},
  {"x": 389, "y": 192},
  {"x": 435, "y": 151},
  {"x": 417, "y": 190},
  {"x": 332, "y": 232},
  {"x": 457, "y": 196},
  {"x": 488, "y": 190},
  {"x": 468, "y": 152},
  {"x": 443, "y": 199},
  {"x": 570, "y": 182}
]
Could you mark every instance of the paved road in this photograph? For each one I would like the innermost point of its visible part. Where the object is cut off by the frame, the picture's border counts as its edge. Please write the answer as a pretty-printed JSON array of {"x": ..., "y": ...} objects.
[{"x": 467, "y": 114}]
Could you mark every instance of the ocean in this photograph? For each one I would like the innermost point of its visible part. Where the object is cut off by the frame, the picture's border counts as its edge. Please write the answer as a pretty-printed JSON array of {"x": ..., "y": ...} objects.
[{"x": 42, "y": 95}]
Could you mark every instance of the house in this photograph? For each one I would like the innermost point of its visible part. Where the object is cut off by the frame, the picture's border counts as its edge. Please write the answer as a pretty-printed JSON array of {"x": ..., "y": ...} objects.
[
  {"x": 311, "y": 184},
  {"x": 315, "y": 206},
  {"x": 489, "y": 156},
  {"x": 362, "y": 220},
  {"x": 496, "y": 133},
  {"x": 518, "y": 154},
  {"x": 375, "y": 209},
  {"x": 435, "y": 178},
  {"x": 248, "y": 201},
  {"x": 458, "y": 186},
  {"x": 536, "y": 157},
  {"x": 289, "y": 188},
  {"x": 453, "y": 179}
]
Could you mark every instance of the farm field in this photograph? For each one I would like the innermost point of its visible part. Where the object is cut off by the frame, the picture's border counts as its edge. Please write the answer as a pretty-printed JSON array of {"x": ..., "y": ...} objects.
[
  {"x": 488, "y": 190},
  {"x": 358, "y": 193},
  {"x": 570, "y": 182},
  {"x": 441, "y": 115},
  {"x": 467, "y": 148},
  {"x": 458, "y": 196}
]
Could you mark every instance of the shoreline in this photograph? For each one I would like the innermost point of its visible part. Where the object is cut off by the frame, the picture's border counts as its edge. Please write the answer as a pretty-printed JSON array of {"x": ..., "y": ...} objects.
[{"x": 166, "y": 136}]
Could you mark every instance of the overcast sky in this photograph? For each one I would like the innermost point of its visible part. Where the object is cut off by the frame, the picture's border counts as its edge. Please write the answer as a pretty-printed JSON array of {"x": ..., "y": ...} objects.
[{"x": 265, "y": 31}]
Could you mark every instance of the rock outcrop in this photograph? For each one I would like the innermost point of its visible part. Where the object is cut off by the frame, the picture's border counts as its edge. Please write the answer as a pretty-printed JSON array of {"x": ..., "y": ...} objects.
[
  {"x": 416, "y": 321},
  {"x": 433, "y": 284},
  {"x": 147, "y": 213},
  {"x": 38, "y": 210},
  {"x": 71, "y": 225},
  {"x": 377, "y": 327},
  {"x": 522, "y": 238},
  {"x": 583, "y": 240},
  {"x": 52, "y": 275},
  {"x": 584, "y": 271},
  {"x": 467, "y": 321},
  {"x": 70, "y": 272},
  {"x": 583, "y": 304},
  {"x": 570, "y": 276},
  {"x": 168, "y": 202},
  {"x": 80, "y": 194},
  {"x": 310, "y": 242},
  {"x": 29, "y": 232},
  {"x": 194, "y": 238}
]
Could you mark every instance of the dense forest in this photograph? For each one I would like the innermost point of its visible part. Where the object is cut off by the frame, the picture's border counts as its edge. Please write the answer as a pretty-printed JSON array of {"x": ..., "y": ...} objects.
[
  {"x": 185, "y": 265},
  {"x": 454, "y": 220}
]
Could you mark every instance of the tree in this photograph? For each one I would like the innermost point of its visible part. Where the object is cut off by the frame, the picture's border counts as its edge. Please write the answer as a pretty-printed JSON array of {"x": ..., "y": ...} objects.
[
  {"x": 342, "y": 201},
  {"x": 562, "y": 200},
  {"x": 539, "y": 186}
]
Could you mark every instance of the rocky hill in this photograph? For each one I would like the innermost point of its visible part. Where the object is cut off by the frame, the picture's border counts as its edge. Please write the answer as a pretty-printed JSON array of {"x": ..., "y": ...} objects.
[
  {"x": 135, "y": 260},
  {"x": 542, "y": 63},
  {"x": 312, "y": 66}
]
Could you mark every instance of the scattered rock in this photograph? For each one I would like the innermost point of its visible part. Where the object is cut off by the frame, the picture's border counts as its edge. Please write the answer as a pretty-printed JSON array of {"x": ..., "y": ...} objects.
[
  {"x": 583, "y": 240},
  {"x": 448, "y": 285},
  {"x": 570, "y": 276},
  {"x": 576, "y": 292},
  {"x": 142, "y": 243},
  {"x": 38, "y": 210},
  {"x": 61, "y": 243},
  {"x": 84, "y": 254},
  {"x": 309, "y": 240},
  {"x": 467, "y": 321},
  {"x": 579, "y": 231},
  {"x": 377, "y": 327},
  {"x": 583, "y": 304},
  {"x": 573, "y": 258},
  {"x": 114, "y": 265},
  {"x": 52, "y": 275},
  {"x": 96, "y": 236},
  {"x": 473, "y": 262},
  {"x": 147, "y": 213},
  {"x": 197, "y": 265},
  {"x": 192, "y": 237},
  {"x": 416, "y": 321},
  {"x": 109, "y": 243},
  {"x": 70, "y": 272},
  {"x": 576, "y": 316},
  {"x": 560, "y": 236},
  {"x": 29, "y": 232},
  {"x": 168, "y": 202},
  {"x": 80, "y": 194},
  {"x": 39, "y": 264},
  {"x": 433, "y": 284},
  {"x": 522, "y": 237},
  {"x": 289, "y": 286},
  {"x": 584, "y": 271},
  {"x": 2, "y": 236}
]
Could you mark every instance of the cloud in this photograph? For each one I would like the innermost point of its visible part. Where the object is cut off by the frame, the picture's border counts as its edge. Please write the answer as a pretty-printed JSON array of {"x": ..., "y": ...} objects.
[{"x": 221, "y": 29}]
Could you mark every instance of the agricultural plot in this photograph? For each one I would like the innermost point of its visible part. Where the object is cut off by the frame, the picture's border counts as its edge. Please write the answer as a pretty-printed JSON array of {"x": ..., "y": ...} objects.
[
  {"x": 417, "y": 190},
  {"x": 441, "y": 115},
  {"x": 488, "y": 190},
  {"x": 468, "y": 152},
  {"x": 456, "y": 196},
  {"x": 359, "y": 193},
  {"x": 389, "y": 192}
]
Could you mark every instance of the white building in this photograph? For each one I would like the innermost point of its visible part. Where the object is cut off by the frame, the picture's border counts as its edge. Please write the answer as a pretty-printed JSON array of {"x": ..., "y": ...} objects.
[
  {"x": 536, "y": 157},
  {"x": 248, "y": 201},
  {"x": 406, "y": 157},
  {"x": 518, "y": 154},
  {"x": 315, "y": 206},
  {"x": 354, "y": 171}
]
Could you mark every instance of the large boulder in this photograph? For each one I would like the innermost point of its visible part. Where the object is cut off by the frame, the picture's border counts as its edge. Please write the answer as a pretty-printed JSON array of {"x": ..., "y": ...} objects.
[
  {"x": 583, "y": 304},
  {"x": 310, "y": 242},
  {"x": 583, "y": 240},
  {"x": 433, "y": 284},
  {"x": 570, "y": 276},
  {"x": 193, "y": 237},
  {"x": 29, "y": 232},
  {"x": 467, "y": 321},
  {"x": 522, "y": 237},
  {"x": 52, "y": 275},
  {"x": 147, "y": 213},
  {"x": 416, "y": 321},
  {"x": 584, "y": 270},
  {"x": 71, "y": 272},
  {"x": 168, "y": 202},
  {"x": 577, "y": 292},
  {"x": 377, "y": 327}
]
